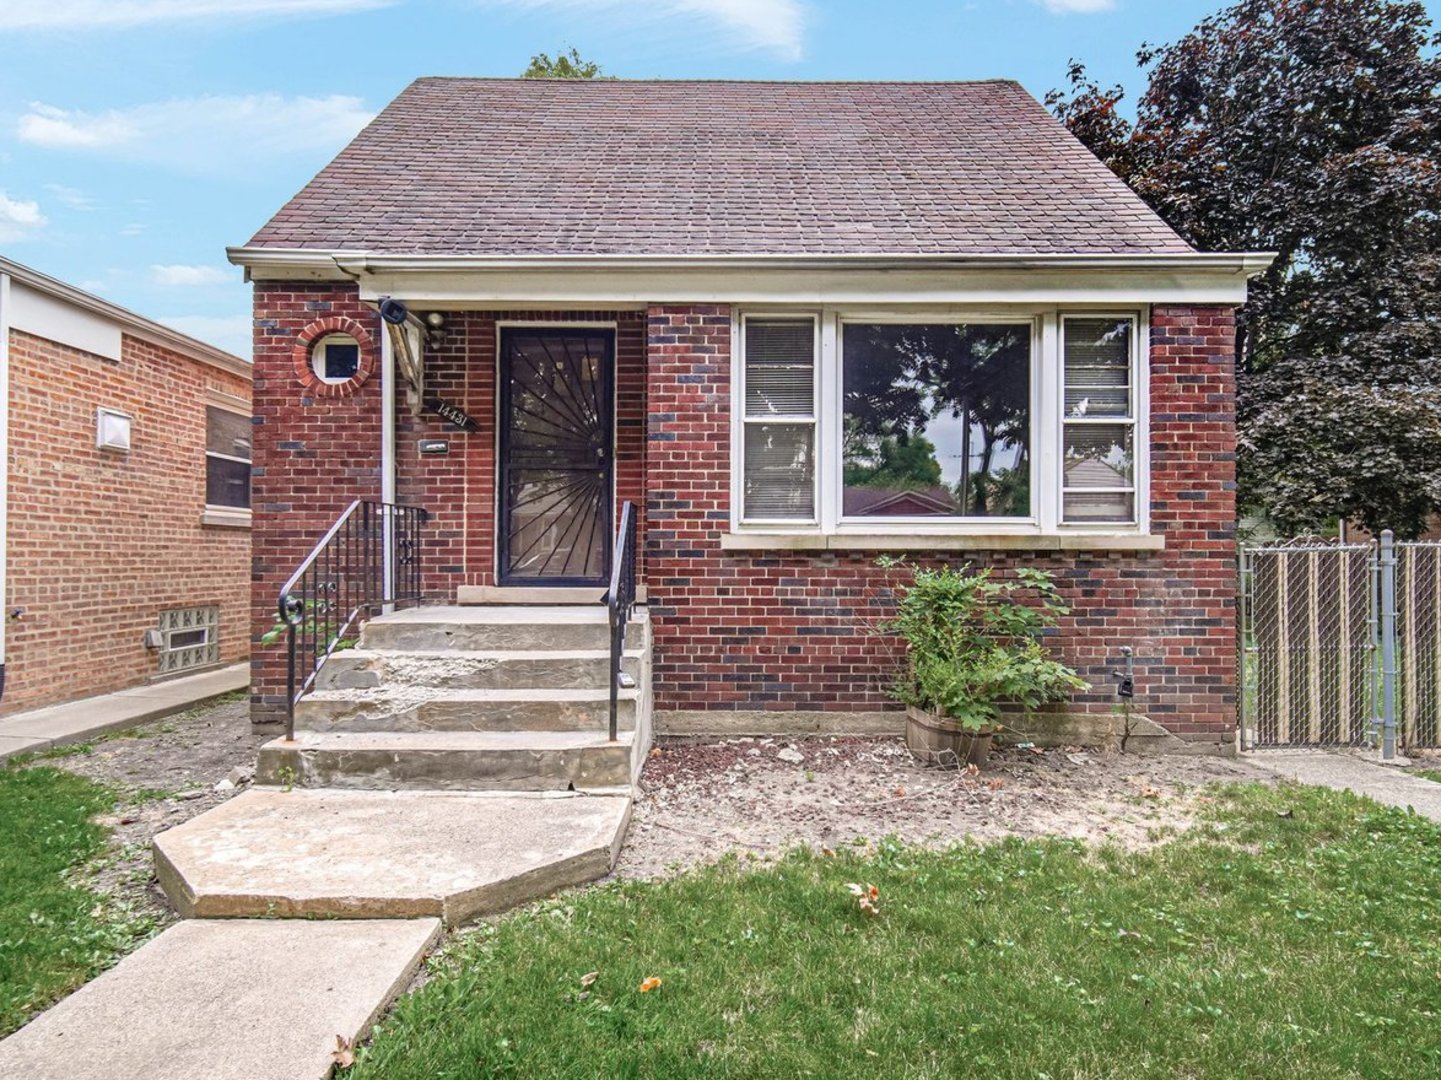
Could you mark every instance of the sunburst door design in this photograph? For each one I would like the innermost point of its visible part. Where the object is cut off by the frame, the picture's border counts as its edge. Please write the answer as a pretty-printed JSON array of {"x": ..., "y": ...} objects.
[{"x": 556, "y": 451}]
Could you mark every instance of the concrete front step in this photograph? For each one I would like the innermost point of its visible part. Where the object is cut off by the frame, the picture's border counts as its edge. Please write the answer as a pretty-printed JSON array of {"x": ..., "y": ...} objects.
[
  {"x": 368, "y": 854},
  {"x": 449, "y": 760},
  {"x": 240, "y": 999},
  {"x": 419, "y": 709},
  {"x": 458, "y": 669},
  {"x": 490, "y": 629}
]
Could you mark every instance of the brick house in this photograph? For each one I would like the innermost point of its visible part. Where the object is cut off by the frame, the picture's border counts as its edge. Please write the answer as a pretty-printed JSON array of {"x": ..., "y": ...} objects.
[
  {"x": 798, "y": 326},
  {"x": 124, "y": 500}
]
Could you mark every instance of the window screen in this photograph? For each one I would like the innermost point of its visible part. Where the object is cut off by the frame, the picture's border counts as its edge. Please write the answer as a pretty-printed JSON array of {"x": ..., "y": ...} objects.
[{"x": 780, "y": 429}]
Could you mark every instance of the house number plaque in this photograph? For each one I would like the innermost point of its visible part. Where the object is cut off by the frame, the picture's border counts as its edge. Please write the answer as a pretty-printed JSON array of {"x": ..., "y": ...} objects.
[{"x": 452, "y": 413}]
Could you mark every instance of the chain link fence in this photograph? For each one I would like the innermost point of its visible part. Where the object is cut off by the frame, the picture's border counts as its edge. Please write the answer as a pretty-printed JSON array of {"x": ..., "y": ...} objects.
[{"x": 1341, "y": 644}]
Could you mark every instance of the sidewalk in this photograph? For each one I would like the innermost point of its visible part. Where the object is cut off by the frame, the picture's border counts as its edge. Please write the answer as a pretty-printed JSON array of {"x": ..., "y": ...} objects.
[
  {"x": 1344, "y": 771},
  {"x": 76, "y": 721}
]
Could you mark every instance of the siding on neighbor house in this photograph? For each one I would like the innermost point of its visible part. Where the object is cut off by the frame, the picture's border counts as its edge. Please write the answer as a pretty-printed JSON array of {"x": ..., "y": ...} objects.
[
  {"x": 101, "y": 542},
  {"x": 749, "y": 630}
]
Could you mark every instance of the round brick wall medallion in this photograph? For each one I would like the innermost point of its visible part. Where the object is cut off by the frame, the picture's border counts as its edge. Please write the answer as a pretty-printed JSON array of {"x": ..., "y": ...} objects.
[{"x": 305, "y": 341}]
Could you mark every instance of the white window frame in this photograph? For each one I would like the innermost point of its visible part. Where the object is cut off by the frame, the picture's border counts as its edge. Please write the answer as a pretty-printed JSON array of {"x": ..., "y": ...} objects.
[
  {"x": 1140, "y": 440},
  {"x": 218, "y": 513},
  {"x": 738, "y": 414},
  {"x": 320, "y": 346},
  {"x": 1047, "y": 423}
]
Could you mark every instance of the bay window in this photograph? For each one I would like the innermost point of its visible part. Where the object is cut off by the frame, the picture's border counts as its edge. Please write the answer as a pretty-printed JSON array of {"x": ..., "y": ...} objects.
[{"x": 881, "y": 423}]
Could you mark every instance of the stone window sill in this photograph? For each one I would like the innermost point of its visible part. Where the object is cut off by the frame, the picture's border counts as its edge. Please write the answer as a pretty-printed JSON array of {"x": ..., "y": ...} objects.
[
  {"x": 225, "y": 519},
  {"x": 771, "y": 541}
]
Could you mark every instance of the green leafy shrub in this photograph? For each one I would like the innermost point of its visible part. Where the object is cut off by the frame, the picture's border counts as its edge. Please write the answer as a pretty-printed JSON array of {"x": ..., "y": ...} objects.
[{"x": 973, "y": 645}]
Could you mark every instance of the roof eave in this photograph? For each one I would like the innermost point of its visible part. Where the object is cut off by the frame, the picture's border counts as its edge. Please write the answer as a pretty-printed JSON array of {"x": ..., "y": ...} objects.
[
  {"x": 339, "y": 264},
  {"x": 136, "y": 325}
]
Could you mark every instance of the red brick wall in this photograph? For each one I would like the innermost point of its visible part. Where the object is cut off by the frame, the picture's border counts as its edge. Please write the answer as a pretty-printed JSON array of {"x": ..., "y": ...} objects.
[
  {"x": 749, "y": 630},
  {"x": 788, "y": 630},
  {"x": 316, "y": 450},
  {"x": 100, "y": 542}
]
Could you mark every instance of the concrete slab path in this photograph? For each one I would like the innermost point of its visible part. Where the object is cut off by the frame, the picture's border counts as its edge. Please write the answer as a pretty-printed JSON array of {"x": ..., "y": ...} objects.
[
  {"x": 386, "y": 854},
  {"x": 1345, "y": 771},
  {"x": 76, "y": 721},
  {"x": 225, "y": 1000}
]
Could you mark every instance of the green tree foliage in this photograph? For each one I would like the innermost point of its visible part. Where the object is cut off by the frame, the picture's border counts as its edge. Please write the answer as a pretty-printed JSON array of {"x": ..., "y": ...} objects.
[
  {"x": 901, "y": 462},
  {"x": 1310, "y": 128},
  {"x": 566, "y": 65}
]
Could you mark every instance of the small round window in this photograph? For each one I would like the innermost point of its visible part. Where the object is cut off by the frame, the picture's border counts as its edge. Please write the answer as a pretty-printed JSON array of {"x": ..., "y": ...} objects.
[{"x": 335, "y": 358}]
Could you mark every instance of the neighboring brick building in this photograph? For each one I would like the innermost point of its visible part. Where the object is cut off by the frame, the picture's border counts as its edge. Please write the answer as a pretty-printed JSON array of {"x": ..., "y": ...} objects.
[
  {"x": 126, "y": 520},
  {"x": 801, "y": 326}
]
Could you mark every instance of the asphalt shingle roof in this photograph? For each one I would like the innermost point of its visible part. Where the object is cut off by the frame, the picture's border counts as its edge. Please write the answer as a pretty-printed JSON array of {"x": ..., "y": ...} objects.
[{"x": 506, "y": 167}]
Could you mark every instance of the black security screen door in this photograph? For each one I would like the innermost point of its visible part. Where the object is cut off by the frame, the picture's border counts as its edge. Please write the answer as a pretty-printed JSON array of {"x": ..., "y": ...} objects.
[{"x": 555, "y": 455}]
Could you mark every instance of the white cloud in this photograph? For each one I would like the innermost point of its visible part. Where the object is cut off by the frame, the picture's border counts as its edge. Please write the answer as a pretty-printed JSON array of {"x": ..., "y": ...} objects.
[
  {"x": 229, "y": 332},
  {"x": 208, "y": 134},
  {"x": 133, "y": 229},
  {"x": 776, "y": 26},
  {"x": 19, "y": 219},
  {"x": 86, "y": 14},
  {"x": 180, "y": 274},
  {"x": 1079, "y": 7},
  {"x": 71, "y": 197}
]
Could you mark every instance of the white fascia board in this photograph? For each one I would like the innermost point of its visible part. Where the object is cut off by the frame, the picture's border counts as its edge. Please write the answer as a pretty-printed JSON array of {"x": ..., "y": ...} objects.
[
  {"x": 457, "y": 282},
  {"x": 56, "y": 292}
]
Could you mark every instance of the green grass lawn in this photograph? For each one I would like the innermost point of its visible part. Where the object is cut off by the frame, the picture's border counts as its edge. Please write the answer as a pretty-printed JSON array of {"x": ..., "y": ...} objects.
[
  {"x": 1295, "y": 933},
  {"x": 1429, "y": 774},
  {"x": 53, "y": 934}
]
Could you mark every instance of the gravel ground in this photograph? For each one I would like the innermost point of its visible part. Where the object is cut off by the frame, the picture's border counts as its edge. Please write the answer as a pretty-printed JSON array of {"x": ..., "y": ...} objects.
[
  {"x": 701, "y": 800},
  {"x": 165, "y": 772}
]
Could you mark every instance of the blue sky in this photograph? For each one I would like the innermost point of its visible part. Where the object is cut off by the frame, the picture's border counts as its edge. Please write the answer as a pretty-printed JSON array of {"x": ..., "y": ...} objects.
[{"x": 138, "y": 138}]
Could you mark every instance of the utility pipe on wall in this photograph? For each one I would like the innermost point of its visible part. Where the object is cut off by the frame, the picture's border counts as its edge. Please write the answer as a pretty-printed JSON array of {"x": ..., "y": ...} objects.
[{"x": 387, "y": 456}]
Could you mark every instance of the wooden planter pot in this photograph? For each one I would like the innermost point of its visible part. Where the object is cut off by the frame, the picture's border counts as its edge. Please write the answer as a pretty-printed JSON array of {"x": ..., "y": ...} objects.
[{"x": 938, "y": 740}]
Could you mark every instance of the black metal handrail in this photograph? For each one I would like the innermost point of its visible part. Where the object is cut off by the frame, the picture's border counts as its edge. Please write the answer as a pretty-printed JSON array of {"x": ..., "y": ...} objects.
[
  {"x": 368, "y": 559},
  {"x": 620, "y": 602}
]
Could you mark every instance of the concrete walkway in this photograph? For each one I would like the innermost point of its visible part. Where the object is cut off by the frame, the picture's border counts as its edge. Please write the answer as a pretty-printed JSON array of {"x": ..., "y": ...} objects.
[
  {"x": 241, "y": 999},
  {"x": 76, "y": 721},
  {"x": 1345, "y": 771}
]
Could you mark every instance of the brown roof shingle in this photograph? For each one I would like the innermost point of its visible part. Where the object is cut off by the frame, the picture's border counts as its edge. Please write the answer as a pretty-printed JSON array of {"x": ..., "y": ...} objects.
[{"x": 507, "y": 167}]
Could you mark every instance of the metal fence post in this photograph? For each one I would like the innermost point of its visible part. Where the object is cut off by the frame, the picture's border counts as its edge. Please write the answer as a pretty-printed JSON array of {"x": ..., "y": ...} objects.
[{"x": 1388, "y": 645}]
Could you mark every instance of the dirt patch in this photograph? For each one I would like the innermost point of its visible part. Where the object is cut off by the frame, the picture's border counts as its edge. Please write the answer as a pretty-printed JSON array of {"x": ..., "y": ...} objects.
[
  {"x": 698, "y": 801},
  {"x": 166, "y": 772}
]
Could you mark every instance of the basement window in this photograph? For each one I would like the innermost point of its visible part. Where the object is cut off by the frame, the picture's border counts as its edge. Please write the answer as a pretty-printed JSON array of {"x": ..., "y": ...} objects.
[{"x": 189, "y": 639}]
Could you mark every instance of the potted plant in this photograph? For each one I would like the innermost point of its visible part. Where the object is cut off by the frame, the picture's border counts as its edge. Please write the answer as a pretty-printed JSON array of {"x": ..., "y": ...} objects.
[{"x": 973, "y": 647}]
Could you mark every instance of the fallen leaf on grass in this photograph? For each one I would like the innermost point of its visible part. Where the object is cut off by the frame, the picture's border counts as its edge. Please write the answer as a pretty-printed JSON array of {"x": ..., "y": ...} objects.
[
  {"x": 343, "y": 1055},
  {"x": 828, "y": 853},
  {"x": 868, "y": 897},
  {"x": 1150, "y": 793},
  {"x": 996, "y": 784},
  {"x": 653, "y": 983},
  {"x": 588, "y": 978}
]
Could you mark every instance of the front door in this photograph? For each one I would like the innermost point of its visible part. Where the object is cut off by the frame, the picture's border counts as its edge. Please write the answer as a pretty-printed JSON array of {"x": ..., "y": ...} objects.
[{"x": 556, "y": 451}]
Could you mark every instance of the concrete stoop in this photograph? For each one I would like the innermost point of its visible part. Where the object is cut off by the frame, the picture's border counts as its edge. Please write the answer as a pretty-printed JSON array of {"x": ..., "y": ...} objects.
[
  {"x": 381, "y": 855},
  {"x": 472, "y": 698}
]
